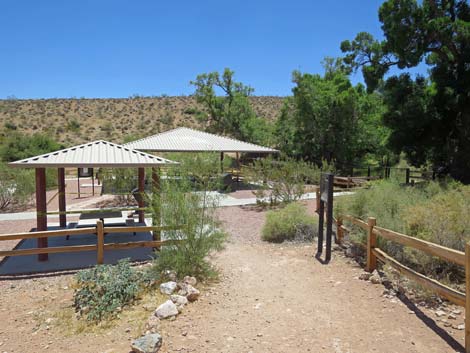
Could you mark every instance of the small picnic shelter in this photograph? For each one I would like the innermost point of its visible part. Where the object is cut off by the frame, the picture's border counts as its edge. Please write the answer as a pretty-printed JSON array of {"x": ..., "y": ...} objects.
[{"x": 97, "y": 154}]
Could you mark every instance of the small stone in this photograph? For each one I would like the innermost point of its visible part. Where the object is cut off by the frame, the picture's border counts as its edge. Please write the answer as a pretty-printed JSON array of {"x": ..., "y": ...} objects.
[
  {"x": 167, "y": 309},
  {"x": 150, "y": 343},
  {"x": 168, "y": 287},
  {"x": 153, "y": 324},
  {"x": 457, "y": 312},
  {"x": 439, "y": 313},
  {"x": 192, "y": 293},
  {"x": 179, "y": 299},
  {"x": 190, "y": 280},
  {"x": 365, "y": 276},
  {"x": 461, "y": 327},
  {"x": 452, "y": 317}
]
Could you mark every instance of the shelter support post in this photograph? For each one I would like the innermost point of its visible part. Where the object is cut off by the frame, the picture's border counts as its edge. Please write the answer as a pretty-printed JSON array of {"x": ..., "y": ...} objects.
[
  {"x": 142, "y": 195},
  {"x": 62, "y": 205},
  {"x": 156, "y": 204},
  {"x": 222, "y": 162},
  {"x": 41, "y": 209}
]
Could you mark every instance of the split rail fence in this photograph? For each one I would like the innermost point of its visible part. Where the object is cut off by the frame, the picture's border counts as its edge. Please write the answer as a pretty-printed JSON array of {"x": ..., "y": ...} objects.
[
  {"x": 374, "y": 254},
  {"x": 100, "y": 247}
]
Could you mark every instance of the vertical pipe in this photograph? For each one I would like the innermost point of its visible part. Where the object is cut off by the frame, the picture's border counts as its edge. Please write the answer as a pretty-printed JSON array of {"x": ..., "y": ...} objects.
[
  {"x": 41, "y": 209},
  {"x": 92, "y": 182},
  {"x": 141, "y": 203},
  {"x": 62, "y": 205},
  {"x": 329, "y": 217},
  {"x": 78, "y": 182},
  {"x": 238, "y": 167}
]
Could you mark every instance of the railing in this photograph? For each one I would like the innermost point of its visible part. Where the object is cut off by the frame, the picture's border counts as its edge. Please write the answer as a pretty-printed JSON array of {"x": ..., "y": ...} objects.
[
  {"x": 100, "y": 231},
  {"x": 374, "y": 253}
]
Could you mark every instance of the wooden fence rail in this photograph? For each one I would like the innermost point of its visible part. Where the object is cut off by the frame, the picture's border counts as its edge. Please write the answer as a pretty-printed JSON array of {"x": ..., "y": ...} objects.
[
  {"x": 451, "y": 255},
  {"x": 100, "y": 230}
]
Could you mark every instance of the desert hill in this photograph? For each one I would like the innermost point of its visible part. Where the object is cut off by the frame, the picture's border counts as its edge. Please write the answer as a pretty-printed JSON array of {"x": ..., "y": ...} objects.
[{"x": 72, "y": 121}]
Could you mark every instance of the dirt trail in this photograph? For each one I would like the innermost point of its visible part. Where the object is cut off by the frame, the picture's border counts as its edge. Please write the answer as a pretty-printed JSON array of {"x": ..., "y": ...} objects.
[
  {"x": 278, "y": 298},
  {"x": 270, "y": 298}
]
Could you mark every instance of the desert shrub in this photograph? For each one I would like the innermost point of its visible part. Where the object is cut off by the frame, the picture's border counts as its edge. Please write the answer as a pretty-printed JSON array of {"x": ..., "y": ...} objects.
[
  {"x": 436, "y": 212},
  {"x": 281, "y": 181},
  {"x": 289, "y": 223},
  {"x": 101, "y": 291},
  {"x": 16, "y": 186},
  {"x": 73, "y": 125},
  {"x": 186, "y": 201}
]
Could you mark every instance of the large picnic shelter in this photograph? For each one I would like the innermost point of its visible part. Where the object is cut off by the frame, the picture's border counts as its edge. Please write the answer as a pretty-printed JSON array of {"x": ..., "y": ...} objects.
[
  {"x": 97, "y": 154},
  {"x": 183, "y": 139}
]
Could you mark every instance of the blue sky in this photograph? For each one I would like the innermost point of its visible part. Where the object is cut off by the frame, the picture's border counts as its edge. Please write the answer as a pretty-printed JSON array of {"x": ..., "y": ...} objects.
[{"x": 116, "y": 48}]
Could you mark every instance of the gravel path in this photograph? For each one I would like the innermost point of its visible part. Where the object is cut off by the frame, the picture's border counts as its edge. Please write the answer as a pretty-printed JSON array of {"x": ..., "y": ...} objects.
[{"x": 269, "y": 298}]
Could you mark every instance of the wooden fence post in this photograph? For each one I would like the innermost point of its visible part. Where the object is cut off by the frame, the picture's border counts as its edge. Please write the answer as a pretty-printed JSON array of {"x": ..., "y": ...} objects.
[
  {"x": 467, "y": 297},
  {"x": 339, "y": 230},
  {"x": 407, "y": 176},
  {"x": 99, "y": 242},
  {"x": 371, "y": 243}
]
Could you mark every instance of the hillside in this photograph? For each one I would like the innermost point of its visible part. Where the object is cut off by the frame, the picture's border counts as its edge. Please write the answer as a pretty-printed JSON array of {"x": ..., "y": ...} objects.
[{"x": 73, "y": 121}]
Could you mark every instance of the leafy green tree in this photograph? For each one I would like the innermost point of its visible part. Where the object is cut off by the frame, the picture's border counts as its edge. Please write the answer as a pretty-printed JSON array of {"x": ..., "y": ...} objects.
[
  {"x": 429, "y": 119},
  {"x": 19, "y": 146},
  {"x": 229, "y": 111},
  {"x": 329, "y": 119}
]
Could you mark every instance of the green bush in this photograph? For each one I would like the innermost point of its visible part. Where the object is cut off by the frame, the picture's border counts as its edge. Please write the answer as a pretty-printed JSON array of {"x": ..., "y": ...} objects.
[
  {"x": 436, "y": 212},
  {"x": 289, "y": 223},
  {"x": 19, "y": 146},
  {"x": 102, "y": 290},
  {"x": 186, "y": 201}
]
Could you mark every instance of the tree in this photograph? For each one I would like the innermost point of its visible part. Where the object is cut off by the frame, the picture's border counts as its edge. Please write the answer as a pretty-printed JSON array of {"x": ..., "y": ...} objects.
[
  {"x": 329, "y": 119},
  {"x": 19, "y": 146},
  {"x": 429, "y": 118},
  {"x": 230, "y": 113}
]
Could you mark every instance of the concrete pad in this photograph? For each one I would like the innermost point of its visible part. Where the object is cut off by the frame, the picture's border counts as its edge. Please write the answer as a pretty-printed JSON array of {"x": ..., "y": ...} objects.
[{"x": 78, "y": 260}]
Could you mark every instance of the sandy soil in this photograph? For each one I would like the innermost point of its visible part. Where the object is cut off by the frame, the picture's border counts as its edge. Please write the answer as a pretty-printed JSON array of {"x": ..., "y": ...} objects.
[{"x": 270, "y": 298}]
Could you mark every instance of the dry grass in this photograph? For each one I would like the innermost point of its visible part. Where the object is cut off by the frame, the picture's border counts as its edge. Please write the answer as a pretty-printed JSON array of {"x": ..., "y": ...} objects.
[
  {"x": 73, "y": 121},
  {"x": 133, "y": 316}
]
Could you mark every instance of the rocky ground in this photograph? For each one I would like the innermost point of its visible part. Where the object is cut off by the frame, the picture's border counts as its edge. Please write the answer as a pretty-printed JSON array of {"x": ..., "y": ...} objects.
[{"x": 269, "y": 298}]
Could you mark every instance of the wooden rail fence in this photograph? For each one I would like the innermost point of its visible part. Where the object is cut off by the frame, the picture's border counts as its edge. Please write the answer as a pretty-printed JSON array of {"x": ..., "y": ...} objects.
[
  {"x": 374, "y": 253},
  {"x": 100, "y": 231}
]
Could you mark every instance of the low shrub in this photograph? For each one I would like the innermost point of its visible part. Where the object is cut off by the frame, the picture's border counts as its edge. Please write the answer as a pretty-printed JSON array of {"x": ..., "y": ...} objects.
[
  {"x": 102, "y": 290},
  {"x": 289, "y": 223}
]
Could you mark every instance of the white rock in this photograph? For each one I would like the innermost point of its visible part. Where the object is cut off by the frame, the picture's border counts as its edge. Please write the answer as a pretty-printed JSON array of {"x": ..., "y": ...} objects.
[
  {"x": 153, "y": 324},
  {"x": 168, "y": 287},
  {"x": 190, "y": 280},
  {"x": 150, "y": 343},
  {"x": 179, "y": 300},
  {"x": 192, "y": 293},
  {"x": 440, "y": 313},
  {"x": 167, "y": 309}
]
